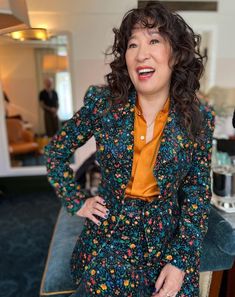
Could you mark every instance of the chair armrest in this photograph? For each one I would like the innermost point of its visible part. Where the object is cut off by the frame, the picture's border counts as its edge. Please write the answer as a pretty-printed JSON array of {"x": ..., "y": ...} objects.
[
  {"x": 221, "y": 233},
  {"x": 27, "y": 136}
]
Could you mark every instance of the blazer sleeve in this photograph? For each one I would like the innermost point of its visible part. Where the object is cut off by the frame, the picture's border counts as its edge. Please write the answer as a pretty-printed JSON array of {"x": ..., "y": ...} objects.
[
  {"x": 184, "y": 250},
  {"x": 74, "y": 133}
]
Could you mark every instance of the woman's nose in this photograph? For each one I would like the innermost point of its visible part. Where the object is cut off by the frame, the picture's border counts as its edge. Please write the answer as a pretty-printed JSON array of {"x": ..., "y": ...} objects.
[{"x": 142, "y": 53}]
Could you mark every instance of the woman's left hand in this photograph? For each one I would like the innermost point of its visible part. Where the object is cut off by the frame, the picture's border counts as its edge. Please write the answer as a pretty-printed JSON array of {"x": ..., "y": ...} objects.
[{"x": 169, "y": 281}]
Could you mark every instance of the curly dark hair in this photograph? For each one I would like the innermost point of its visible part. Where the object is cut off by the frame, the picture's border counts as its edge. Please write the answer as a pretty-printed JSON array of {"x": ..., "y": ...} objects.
[{"x": 188, "y": 62}]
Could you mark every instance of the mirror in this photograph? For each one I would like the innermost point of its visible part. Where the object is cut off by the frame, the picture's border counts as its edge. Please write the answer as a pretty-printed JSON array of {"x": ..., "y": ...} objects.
[{"x": 37, "y": 95}]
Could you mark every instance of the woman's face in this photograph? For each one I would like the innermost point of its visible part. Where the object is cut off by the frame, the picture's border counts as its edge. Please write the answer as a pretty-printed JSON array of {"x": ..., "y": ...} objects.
[{"x": 147, "y": 58}]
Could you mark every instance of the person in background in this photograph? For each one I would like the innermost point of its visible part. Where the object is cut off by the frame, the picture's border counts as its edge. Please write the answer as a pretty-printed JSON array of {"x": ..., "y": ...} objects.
[
  {"x": 144, "y": 229},
  {"x": 50, "y": 103}
]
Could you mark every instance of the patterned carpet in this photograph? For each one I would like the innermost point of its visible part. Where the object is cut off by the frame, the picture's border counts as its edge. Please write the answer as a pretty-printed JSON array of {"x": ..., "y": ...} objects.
[{"x": 26, "y": 222}]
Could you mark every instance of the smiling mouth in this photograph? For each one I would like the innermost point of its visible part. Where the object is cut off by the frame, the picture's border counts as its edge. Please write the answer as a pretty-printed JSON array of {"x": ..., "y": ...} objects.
[{"x": 145, "y": 71}]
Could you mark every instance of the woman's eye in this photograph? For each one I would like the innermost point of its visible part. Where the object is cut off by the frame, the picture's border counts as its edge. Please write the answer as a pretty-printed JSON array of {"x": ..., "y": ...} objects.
[
  {"x": 154, "y": 41},
  {"x": 132, "y": 45}
]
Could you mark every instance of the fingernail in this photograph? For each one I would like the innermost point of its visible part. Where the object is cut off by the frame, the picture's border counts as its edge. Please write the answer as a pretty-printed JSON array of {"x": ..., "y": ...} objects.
[
  {"x": 155, "y": 290},
  {"x": 104, "y": 202},
  {"x": 106, "y": 216},
  {"x": 107, "y": 211},
  {"x": 99, "y": 223}
]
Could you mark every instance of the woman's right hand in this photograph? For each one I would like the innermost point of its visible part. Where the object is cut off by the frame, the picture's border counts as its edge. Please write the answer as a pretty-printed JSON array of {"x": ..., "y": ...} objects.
[{"x": 93, "y": 206}]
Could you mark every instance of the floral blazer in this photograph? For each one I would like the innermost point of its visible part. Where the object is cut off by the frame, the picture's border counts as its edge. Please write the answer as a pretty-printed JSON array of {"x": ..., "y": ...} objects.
[{"x": 176, "y": 222}]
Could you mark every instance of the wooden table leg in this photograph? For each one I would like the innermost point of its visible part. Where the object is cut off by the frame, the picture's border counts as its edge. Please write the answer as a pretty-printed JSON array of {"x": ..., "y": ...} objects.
[
  {"x": 216, "y": 283},
  {"x": 230, "y": 283}
]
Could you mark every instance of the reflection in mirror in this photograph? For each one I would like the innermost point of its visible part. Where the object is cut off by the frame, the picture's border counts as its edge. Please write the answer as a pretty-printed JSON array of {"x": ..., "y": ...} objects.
[{"x": 37, "y": 95}]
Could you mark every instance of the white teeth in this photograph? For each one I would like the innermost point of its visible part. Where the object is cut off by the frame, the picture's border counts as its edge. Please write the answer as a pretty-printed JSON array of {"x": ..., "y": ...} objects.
[{"x": 141, "y": 71}]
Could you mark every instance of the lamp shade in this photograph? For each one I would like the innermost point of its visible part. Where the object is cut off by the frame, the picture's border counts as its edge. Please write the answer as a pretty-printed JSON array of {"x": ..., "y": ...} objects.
[
  {"x": 13, "y": 16},
  {"x": 55, "y": 63},
  {"x": 30, "y": 34}
]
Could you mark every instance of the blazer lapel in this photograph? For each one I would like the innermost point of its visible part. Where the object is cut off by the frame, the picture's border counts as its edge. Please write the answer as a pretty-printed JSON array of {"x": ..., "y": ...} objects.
[
  {"x": 174, "y": 137},
  {"x": 175, "y": 152}
]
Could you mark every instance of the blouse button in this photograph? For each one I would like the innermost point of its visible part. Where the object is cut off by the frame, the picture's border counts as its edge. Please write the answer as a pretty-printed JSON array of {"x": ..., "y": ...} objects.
[{"x": 142, "y": 137}]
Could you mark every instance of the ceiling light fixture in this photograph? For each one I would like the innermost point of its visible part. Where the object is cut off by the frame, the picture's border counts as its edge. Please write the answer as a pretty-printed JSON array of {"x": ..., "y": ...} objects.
[
  {"x": 30, "y": 34},
  {"x": 13, "y": 16}
]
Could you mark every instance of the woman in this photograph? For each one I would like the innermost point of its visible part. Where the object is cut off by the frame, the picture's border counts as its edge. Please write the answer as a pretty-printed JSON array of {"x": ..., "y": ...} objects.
[{"x": 143, "y": 232}]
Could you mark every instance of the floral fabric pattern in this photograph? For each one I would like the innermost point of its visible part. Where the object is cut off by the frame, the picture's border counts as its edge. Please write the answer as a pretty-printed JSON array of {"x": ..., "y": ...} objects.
[{"x": 175, "y": 223}]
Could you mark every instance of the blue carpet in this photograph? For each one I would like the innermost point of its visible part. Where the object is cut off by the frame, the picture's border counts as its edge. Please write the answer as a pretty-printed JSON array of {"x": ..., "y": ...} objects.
[{"x": 26, "y": 222}]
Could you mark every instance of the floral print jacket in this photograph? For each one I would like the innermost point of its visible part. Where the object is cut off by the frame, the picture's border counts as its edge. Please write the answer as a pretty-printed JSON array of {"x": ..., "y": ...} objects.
[{"x": 176, "y": 222}]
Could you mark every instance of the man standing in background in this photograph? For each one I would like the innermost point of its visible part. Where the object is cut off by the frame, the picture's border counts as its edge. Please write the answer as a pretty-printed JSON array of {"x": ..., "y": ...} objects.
[{"x": 49, "y": 102}]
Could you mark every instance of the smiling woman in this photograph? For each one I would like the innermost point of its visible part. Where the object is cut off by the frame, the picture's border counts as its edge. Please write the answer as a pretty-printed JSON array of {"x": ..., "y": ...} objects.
[{"x": 144, "y": 229}]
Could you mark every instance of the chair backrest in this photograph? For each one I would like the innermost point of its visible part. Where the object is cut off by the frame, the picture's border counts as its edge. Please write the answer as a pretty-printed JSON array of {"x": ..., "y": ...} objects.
[{"x": 14, "y": 130}]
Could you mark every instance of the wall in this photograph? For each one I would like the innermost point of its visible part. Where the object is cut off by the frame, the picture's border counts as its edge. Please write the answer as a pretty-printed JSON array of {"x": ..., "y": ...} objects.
[{"x": 221, "y": 24}]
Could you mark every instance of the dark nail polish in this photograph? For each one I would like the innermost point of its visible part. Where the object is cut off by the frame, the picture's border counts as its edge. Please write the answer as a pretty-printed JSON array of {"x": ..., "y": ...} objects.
[
  {"x": 104, "y": 202},
  {"x": 155, "y": 290},
  {"x": 99, "y": 223},
  {"x": 106, "y": 216},
  {"x": 107, "y": 211}
]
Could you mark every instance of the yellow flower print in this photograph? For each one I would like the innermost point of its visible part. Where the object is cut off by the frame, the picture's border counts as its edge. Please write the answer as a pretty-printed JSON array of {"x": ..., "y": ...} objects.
[
  {"x": 93, "y": 272},
  {"x": 179, "y": 137},
  {"x": 105, "y": 223},
  {"x": 66, "y": 174},
  {"x": 126, "y": 282},
  {"x": 132, "y": 245},
  {"x": 98, "y": 291},
  {"x": 80, "y": 137},
  {"x": 169, "y": 257},
  {"x": 121, "y": 217},
  {"x": 129, "y": 147},
  {"x": 195, "y": 206},
  {"x": 103, "y": 287}
]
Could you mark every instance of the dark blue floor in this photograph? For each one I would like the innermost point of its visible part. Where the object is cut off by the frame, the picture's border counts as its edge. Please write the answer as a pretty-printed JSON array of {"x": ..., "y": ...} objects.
[{"x": 26, "y": 226}]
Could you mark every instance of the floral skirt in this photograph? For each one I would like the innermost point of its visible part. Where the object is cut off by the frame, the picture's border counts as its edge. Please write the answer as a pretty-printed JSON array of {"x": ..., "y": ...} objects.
[{"x": 122, "y": 267}]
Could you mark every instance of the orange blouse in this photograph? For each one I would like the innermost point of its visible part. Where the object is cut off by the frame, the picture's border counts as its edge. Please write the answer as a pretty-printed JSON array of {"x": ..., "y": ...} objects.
[{"x": 143, "y": 183}]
